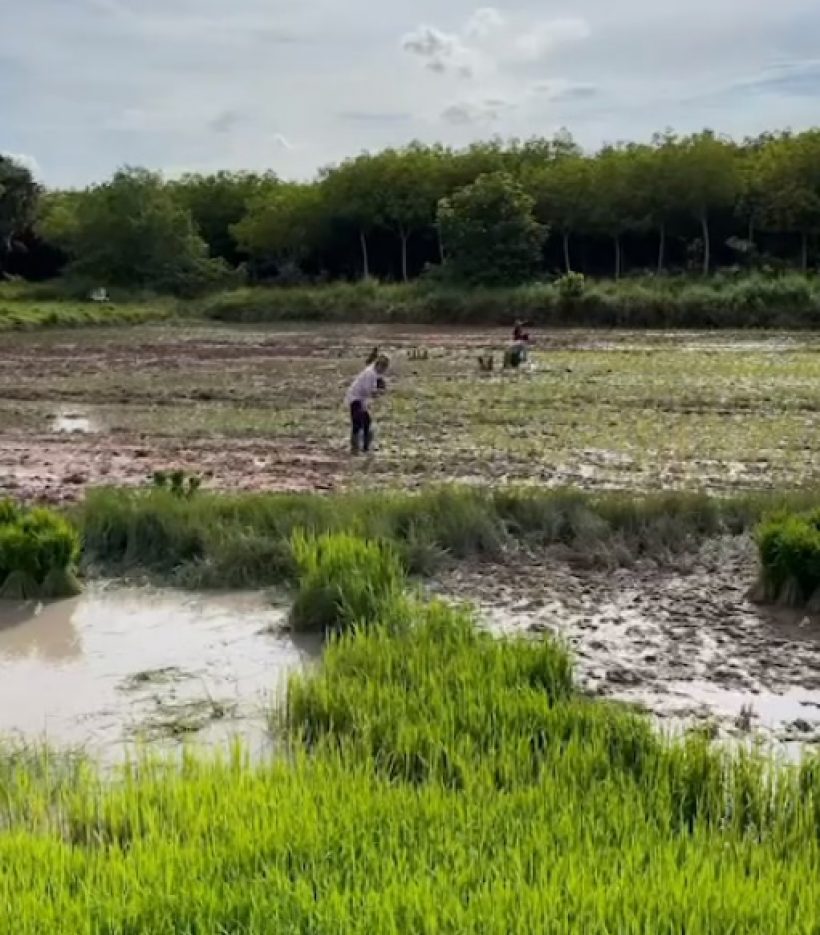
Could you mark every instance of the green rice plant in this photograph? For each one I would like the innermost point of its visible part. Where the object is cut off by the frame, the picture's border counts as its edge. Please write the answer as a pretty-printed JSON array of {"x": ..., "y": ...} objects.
[
  {"x": 451, "y": 783},
  {"x": 343, "y": 581},
  {"x": 39, "y": 550},
  {"x": 789, "y": 550}
]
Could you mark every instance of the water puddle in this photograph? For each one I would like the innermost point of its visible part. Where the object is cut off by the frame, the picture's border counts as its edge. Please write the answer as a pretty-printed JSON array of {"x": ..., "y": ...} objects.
[
  {"x": 71, "y": 423},
  {"x": 125, "y": 665}
]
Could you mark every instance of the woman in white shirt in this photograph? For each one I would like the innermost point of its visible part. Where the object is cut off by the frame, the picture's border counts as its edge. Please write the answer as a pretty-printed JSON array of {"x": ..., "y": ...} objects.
[{"x": 367, "y": 385}]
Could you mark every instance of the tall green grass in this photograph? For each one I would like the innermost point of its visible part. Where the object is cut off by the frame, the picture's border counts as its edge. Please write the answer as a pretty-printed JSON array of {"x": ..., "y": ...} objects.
[
  {"x": 744, "y": 301},
  {"x": 35, "y": 315},
  {"x": 244, "y": 540}
]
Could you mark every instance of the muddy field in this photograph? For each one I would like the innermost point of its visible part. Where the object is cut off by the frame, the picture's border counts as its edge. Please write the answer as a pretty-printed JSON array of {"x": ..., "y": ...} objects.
[
  {"x": 262, "y": 409},
  {"x": 252, "y": 409},
  {"x": 684, "y": 642}
]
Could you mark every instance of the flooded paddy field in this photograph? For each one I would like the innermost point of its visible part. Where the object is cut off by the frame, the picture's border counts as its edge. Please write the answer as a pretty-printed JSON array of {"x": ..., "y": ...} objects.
[
  {"x": 122, "y": 666},
  {"x": 262, "y": 409}
]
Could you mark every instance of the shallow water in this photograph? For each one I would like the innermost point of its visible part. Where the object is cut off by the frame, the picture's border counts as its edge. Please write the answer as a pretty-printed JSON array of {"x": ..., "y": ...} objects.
[
  {"x": 684, "y": 643},
  {"x": 121, "y": 665},
  {"x": 65, "y": 422}
]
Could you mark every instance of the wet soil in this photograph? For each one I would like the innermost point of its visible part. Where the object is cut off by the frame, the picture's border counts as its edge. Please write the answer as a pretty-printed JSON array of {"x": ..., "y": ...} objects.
[
  {"x": 122, "y": 665},
  {"x": 684, "y": 643},
  {"x": 261, "y": 409}
]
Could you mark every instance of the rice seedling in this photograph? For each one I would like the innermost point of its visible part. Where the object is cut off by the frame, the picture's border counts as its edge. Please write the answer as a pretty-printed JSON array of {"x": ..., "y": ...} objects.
[
  {"x": 39, "y": 550},
  {"x": 344, "y": 581},
  {"x": 789, "y": 548},
  {"x": 450, "y": 784}
]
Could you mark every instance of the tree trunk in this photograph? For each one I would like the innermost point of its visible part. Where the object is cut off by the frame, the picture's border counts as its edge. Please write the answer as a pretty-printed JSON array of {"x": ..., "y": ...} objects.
[
  {"x": 804, "y": 252},
  {"x": 617, "y": 241},
  {"x": 707, "y": 244},
  {"x": 751, "y": 233},
  {"x": 661, "y": 249},
  {"x": 365, "y": 258},
  {"x": 567, "y": 260},
  {"x": 405, "y": 236},
  {"x": 441, "y": 255}
]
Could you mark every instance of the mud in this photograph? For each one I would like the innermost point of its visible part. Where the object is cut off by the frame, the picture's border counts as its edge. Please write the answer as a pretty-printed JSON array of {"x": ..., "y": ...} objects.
[
  {"x": 685, "y": 644},
  {"x": 122, "y": 665},
  {"x": 261, "y": 409}
]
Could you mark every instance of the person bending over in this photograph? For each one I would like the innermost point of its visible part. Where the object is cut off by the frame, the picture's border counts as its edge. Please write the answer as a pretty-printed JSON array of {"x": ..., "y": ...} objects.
[{"x": 367, "y": 385}]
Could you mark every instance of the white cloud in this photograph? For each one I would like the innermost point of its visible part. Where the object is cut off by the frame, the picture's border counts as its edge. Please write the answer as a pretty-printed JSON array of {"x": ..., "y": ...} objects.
[
  {"x": 471, "y": 113},
  {"x": 562, "y": 90},
  {"x": 431, "y": 43},
  {"x": 484, "y": 22},
  {"x": 201, "y": 84},
  {"x": 543, "y": 38}
]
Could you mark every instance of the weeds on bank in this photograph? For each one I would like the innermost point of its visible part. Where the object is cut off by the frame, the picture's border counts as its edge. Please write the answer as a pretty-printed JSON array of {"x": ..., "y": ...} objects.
[{"x": 238, "y": 540}]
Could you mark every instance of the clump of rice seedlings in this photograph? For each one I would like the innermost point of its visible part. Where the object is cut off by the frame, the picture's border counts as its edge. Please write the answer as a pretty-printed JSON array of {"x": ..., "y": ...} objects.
[
  {"x": 436, "y": 780},
  {"x": 343, "y": 581},
  {"x": 39, "y": 550},
  {"x": 178, "y": 482},
  {"x": 789, "y": 550}
]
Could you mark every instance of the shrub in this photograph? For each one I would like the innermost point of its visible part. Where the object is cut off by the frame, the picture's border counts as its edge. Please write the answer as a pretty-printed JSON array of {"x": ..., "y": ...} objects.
[
  {"x": 571, "y": 285},
  {"x": 789, "y": 547},
  {"x": 344, "y": 581},
  {"x": 38, "y": 554}
]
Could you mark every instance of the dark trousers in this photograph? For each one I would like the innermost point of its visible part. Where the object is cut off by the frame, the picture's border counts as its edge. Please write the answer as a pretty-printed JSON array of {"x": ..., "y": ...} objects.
[{"x": 359, "y": 427}]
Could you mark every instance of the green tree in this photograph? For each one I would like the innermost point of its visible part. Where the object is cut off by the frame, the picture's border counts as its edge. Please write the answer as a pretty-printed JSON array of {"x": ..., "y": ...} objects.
[
  {"x": 562, "y": 191},
  {"x": 491, "y": 232},
  {"x": 618, "y": 201},
  {"x": 284, "y": 224},
  {"x": 706, "y": 179},
  {"x": 352, "y": 199},
  {"x": 18, "y": 202},
  {"x": 131, "y": 231},
  {"x": 789, "y": 182},
  {"x": 219, "y": 201},
  {"x": 409, "y": 185}
]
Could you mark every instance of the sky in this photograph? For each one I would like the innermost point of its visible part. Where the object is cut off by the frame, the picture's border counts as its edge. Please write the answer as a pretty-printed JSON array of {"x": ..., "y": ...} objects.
[{"x": 87, "y": 86}]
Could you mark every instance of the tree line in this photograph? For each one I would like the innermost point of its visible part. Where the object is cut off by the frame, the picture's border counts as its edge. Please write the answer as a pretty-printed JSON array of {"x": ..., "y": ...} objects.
[{"x": 495, "y": 212}]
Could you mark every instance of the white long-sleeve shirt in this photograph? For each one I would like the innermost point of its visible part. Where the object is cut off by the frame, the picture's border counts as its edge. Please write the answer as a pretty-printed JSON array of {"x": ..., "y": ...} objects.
[{"x": 363, "y": 388}]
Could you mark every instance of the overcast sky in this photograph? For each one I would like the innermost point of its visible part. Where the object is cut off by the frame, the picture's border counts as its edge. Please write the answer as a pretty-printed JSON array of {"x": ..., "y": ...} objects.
[{"x": 89, "y": 85}]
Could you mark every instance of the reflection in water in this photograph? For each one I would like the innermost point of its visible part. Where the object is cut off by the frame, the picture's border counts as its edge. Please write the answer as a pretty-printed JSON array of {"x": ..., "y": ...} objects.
[
  {"x": 102, "y": 668},
  {"x": 32, "y": 628}
]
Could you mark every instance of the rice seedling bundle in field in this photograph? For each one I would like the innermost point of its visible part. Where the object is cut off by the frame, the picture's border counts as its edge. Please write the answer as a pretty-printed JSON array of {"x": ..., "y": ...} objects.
[
  {"x": 39, "y": 550},
  {"x": 789, "y": 548},
  {"x": 344, "y": 581}
]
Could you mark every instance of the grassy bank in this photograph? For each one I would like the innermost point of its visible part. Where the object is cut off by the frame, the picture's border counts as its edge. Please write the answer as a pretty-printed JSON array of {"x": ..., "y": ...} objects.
[
  {"x": 439, "y": 781},
  {"x": 245, "y": 539},
  {"x": 28, "y": 315},
  {"x": 789, "y": 301},
  {"x": 755, "y": 301}
]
